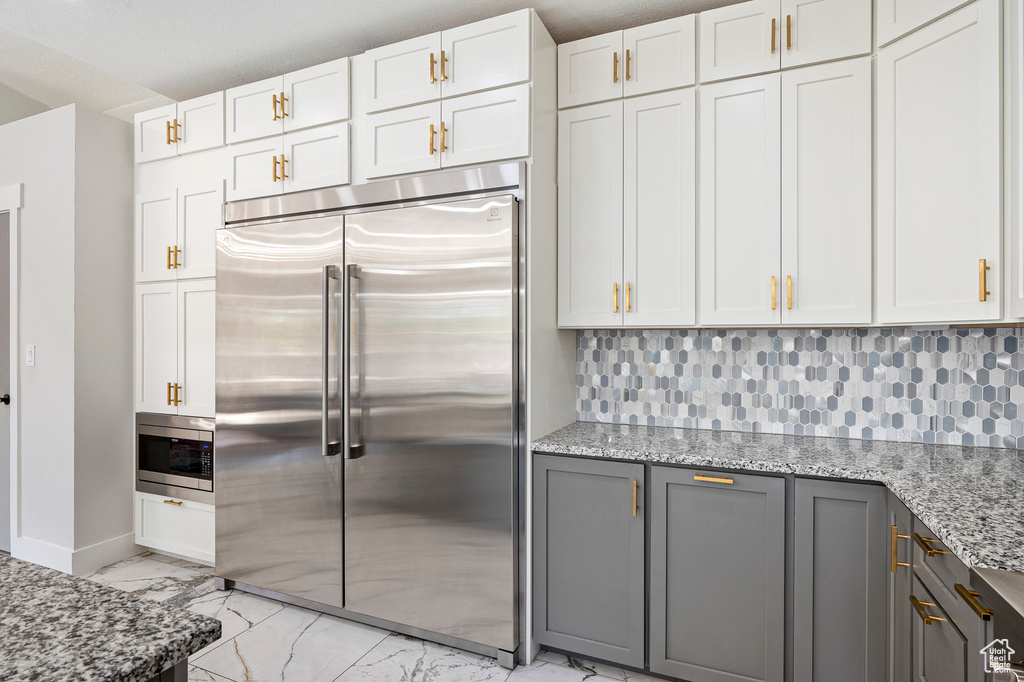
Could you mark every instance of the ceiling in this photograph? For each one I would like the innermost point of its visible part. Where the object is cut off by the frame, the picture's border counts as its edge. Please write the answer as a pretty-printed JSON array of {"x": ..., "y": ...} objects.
[{"x": 110, "y": 54}]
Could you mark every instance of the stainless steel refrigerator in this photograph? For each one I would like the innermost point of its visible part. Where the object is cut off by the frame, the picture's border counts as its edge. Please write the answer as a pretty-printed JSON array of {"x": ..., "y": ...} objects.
[{"x": 367, "y": 408}]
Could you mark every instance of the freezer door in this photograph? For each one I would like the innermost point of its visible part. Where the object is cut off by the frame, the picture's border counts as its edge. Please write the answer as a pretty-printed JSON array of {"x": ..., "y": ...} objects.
[
  {"x": 429, "y": 487},
  {"x": 279, "y": 506}
]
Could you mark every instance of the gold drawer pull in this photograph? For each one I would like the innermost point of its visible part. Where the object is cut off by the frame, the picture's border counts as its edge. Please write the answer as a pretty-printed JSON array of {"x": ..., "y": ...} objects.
[
  {"x": 712, "y": 479},
  {"x": 627, "y": 296},
  {"x": 615, "y": 67},
  {"x": 925, "y": 544},
  {"x": 433, "y": 62},
  {"x": 789, "y": 31},
  {"x": 773, "y": 35},
  {"x": 431, "y": 147},
  {"x": 169, "y": 266},
  {"x": 773, "y": 292},
  {"x": 627, "y": 64},
  {"x": 789, "y": 290},
  {"x": 893, "y": 537},
  {"x": 919, "y": 607},
  {"x": 615, "y": 297},
  {"x": 169, "y": 132},
  {"x": 634, "y": 498},
  {"x": 983, "y": 269},
  {"x": 971, "y": 597},
  {"x": 176, "y": 504},
  {"x": 444, "y": 60}
]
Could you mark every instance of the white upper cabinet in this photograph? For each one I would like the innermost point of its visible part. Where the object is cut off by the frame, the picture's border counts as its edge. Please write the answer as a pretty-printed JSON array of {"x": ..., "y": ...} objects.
[
  {"x": 938, "y": 171},
  {"x": 740, "y": 40},
  {"x": 659, "y": 216},
  {"x": 765, "y": 35},
  {"x": 183, "y": 128},
  {"x": 896, "y": 18},
  {"x": 591, "y": 291},
  {"x": 487, "y": 54},
  {"x": 740, "y": 194},
  {"x": 826, "y": 194},
  {"x": 403, "y": 140},
  {"x": 820, "y": 30},
  {"x": 255, "y": 169},
  {"x": 310, "y": 97},
  {"x": 645, "y": 59},
  {"x": 486, "y": 126},
  {"x": 175, "y": 232}
]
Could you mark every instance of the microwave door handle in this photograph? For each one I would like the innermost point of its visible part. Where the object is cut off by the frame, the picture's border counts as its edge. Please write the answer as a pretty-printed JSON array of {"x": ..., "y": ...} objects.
[
  {"x": 328, "y": 448},
  {"x": 353, "y": 446}
]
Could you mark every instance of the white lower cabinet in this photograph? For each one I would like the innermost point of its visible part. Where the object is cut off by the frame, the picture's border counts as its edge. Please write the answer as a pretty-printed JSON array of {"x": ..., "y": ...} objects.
[
  {"x": 175, "y": 347},
  {"x": 473, "y": 129},
  {"x": 180, "y": 527},
  {"x": 315, "y": 157},
  {"x": 939, "y": 176},
  {"x": 626, "y": 224}
]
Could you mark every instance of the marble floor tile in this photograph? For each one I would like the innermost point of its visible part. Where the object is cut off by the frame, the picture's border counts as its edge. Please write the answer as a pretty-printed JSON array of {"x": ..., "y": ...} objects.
[
  {"x": 199, "y": 675},
  {"x": 407, "y": 659},
  {"x": 602, "y": 669},
  {"x": 150, "y": 579},
  {"x": 544, "y": 671},
  {"x": 293, "y": 645},
  {"x": 237, "y": 612}
]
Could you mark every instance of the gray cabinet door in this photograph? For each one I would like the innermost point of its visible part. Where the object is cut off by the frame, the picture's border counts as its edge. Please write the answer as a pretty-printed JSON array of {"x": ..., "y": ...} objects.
[
  {"x": 588, "y": 554},
  {"x": 899, "y": 611},
  {"x": 940, "y": 649},
  {"x": 717, "y": 576},
  {"x": 839, "y": 592}
]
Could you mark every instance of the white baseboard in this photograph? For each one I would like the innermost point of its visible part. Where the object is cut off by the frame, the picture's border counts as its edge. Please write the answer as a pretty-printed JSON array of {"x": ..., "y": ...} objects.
[{"x": 75, "y": 562}]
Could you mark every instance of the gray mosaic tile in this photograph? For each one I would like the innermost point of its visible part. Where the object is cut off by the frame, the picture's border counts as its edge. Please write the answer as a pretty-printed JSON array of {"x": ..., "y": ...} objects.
[{"x": 959, "y": 386}]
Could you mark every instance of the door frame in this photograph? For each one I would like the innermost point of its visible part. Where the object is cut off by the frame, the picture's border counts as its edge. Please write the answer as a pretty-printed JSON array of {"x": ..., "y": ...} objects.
[{"x": 10, "y": 203}]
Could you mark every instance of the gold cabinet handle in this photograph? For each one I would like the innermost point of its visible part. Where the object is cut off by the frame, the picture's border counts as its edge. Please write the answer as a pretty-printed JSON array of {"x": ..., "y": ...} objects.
[
  {"x": 169, "y": 266},
  {"x": 444, "y": 71},
  {"x": 627, "y": 296},
  {"x": 983, "y": 269},
  {"x": 177, "y": 127},
  {"x": 431, "y": 139},
  {"x": 168, "y": 132},
  {"x": 634, "y": 498},
  {"x": 276, "y": 117},
  {"x": 919, "y": 607},
  {"x": 713, "y": 479},
  {"x": 433, "y": 62},
  {"x": 971, "y": 597},
  {"x": 176, "y": 504},
  {"x": 627, "y": 64},
  {"x": 283, "y": 100},
  {"x": 615, "y": 297},
  {"x": 925, "y": 544},
  {"x": 284, "y": 176},
  {"x": 177, "y": 263},
  {"x": 894, "y": 535},
  {"x": 444, "y": 147},
  {"x": 773, "y": 35},
  {"x": 177, "y": 395},
  {"x": 275, "y": 168},
  {"x": 773, "y": 292},
  {"x": 789, "y": 291},
  {"x": 169, "y": 389},
  {"x": 789, "y": 32},
  {"x": 615, "y": 67}
]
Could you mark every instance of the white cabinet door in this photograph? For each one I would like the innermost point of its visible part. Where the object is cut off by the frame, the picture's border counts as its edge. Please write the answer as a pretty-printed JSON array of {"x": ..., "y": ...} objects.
[
  {"x": 316, "y": 95},
  {"x": 404, "y": 73},
  {"x": 156, "y": 338},
  {"x": 896, "y": 18},
  {"x": 255, "y": 169},
  {"x": 200, "y": 215},
  {"x": 154, "y": 137},
  {"x": 826, "y": 194},
  {"x": 487, "y": 54},
  {"x": 177, "y": 526},
  {"x": 590, "y": 286},
  {"x": 740, "y": 193},
  {"x": 820, "y": 30},
  {"x": 938, "y": 171},
  {"x": 487, "y": 126},
  {"x": 317, "y": 157},
  {"x": 589, "y": 70},
  {"x": 740, "y": 40},
  {"x": 201, "y": 123},
  {"x": 196, "y": 322},
  {"x": 403, "y": 141},
  {"x": 155, "y": 236},
  {"x": 659, "y": 216},
  {"x": 660, "y": 56},
  {"x": 254, "y": 110}
]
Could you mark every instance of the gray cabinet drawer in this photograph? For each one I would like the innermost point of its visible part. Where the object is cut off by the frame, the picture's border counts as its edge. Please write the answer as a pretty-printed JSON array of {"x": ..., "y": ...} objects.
[
  {"x": 940, "y": 649},
  {"x": 936, "y": 560}
]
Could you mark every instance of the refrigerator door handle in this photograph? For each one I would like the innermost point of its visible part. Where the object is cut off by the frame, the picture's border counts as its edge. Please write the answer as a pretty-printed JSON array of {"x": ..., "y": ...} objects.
[
  {"x": 352, "y": 450},
  {"x": 328, "y": 447}
]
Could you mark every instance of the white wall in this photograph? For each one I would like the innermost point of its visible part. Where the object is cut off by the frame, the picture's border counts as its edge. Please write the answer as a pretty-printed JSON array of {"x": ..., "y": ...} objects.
[{"x": 14, "y": 105}]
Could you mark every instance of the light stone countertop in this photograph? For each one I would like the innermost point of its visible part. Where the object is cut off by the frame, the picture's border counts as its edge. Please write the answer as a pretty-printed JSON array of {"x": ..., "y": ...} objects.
[
  {"x": 54, "y": 626},
  {"x": 972, "y": 498}
]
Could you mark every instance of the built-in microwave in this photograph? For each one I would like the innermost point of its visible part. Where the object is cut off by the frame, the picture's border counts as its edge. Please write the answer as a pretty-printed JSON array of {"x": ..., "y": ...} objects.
[{"x": 174, "y": 456}]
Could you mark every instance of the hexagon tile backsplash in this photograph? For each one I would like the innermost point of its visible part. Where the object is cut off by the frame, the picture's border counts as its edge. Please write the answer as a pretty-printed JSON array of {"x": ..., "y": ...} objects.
[{"x": 958, "y": 386}]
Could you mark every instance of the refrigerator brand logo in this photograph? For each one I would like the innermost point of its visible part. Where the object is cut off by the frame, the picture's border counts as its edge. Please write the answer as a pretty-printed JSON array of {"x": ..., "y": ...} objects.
[
  {"x": 997, "y": 656},
  {"x": 494, "y": 216}
]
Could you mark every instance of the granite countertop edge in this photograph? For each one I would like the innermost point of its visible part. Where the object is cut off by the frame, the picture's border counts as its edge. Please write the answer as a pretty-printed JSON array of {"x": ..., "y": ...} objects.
[{"x": 630, "y": 442}]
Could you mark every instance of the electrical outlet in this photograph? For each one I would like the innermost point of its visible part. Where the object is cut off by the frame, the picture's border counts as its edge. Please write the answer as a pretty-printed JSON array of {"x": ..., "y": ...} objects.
[{"x": 30, "y": 355}]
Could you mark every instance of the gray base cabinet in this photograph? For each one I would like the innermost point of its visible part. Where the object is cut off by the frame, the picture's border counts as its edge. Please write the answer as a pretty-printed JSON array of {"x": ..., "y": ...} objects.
[
  {"x": 718, "y": 570},
  {"x": 900, "y": 587},
  {"x": 589, "y": 563},
  {"x": 839, "y": 582}
]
